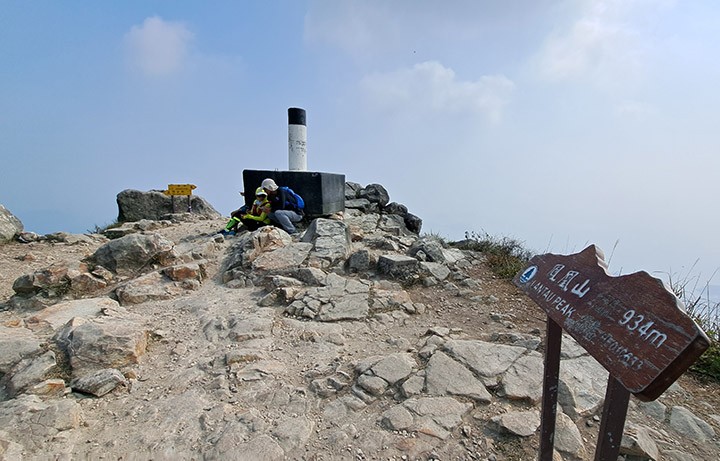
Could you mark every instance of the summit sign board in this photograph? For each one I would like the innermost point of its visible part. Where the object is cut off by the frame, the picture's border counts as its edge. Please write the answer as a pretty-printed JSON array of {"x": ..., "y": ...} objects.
[{"x": 630, "y": 324}]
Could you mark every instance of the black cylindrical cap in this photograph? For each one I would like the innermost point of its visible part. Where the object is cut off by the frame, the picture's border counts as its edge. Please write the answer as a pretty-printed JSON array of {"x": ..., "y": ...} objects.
[{"x": 296, "y": 116}]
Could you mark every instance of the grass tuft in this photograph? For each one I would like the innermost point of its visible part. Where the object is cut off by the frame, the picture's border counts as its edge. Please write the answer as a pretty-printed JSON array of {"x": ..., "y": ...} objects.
[
  {"x": 505, "y": 256},
  {"x": 706, "y": 313},
  {"x": 100, "y": 229}
]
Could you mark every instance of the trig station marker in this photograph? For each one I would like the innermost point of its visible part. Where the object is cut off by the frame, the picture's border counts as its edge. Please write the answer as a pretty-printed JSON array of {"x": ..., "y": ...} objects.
[{"x": 632, "y": 325}]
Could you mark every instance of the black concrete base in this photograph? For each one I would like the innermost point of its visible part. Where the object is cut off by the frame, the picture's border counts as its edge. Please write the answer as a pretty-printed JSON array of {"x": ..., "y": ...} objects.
[{"x": 323, "y": 193}]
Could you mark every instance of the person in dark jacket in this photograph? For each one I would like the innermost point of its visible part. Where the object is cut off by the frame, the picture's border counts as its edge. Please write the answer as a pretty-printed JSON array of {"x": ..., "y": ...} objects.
[{"x": 285, "y": 210}]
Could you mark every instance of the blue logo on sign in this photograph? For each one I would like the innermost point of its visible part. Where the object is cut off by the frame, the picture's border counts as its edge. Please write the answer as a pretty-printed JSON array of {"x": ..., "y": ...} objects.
[{"x": 528, "y": 274}]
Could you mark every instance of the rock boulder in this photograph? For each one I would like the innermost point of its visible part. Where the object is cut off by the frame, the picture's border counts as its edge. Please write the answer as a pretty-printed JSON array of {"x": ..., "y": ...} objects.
[
  {"x": 134, "y": 205},
  {"x": 9, "y": 225}
]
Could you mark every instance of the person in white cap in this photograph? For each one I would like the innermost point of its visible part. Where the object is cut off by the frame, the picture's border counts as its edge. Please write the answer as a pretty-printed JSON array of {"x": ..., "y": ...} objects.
[{"x": 287, "y": 206}]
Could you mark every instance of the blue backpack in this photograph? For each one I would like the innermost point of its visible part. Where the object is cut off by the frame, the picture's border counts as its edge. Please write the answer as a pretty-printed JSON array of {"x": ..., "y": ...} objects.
[{"x": 294, "y": 198}]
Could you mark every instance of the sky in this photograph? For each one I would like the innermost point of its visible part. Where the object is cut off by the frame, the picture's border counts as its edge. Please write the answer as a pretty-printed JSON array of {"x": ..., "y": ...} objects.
[{"x": 557, "y": 123}]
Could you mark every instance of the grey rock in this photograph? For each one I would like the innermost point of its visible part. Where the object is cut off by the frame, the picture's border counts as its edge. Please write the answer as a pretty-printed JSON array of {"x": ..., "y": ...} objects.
[
  {"x": 445, "y": 412},
  {"x": 637, "y": 441},
  {"x": 49, "y": 388},
  {"x": 28, "y": 414},
  {"x": 133, "y": 253},
  {"x": 568, "y": 439},
  {"x": 340, "y": 299},
  {"x": 281, "y": 281},
  {"x": 375, "y": 193},
  {"x": 581, "y": 390},
  {"x": 431, "y": 247},
  {"x": 413, "y": 223},
  {"x": 9, "y": 449},
  {"x": 330, "y": 239},
  {"x": 261, "y": 447},
  {"x": 372, "y": 384},
  {"x": 149, "y": 287},
  {"x": 283, "y": 260},
  {"x": 444, "y": 376},
  {"x": 311, "y": 276},
  {"x": 397, "y": 418},
  {"x": 394, "y": 367},
  {"x": 359, "y": 204},
  {"x": 522, "y": 423},
  {"x": 102, "y": 343},
  {"x": 570, "y": 348},
  {"x": 16, "y": 344},
  {"x": 293, "y": 433},
  {"x": 134, "y": 205},
  {"x": 397, "y": 265},
  {"x": 187, "y": 271},
  {"x": 686, "y": 423},
  {"x": 73, "y": 239},
  {"x": 10, "y": 225},
  {"x": 53, "y": 281},
  {"x": 436, "y": 270},
  {"x": 677, "y": 455},
  {"x": 359, "y": 261},
  {"x": 453, "y": 256},
  {"x": 99, "y": 383},
  {"x": 26, "y": 373},
  {"x": 352, "y": 189},
  {"x": 348, "y": 307},
  {"x": 395, "y": 208},
  {"x": 361, "y": 225},
  {"x": 414, "y": 385},
  {"x": 523, "y": 380},
  {"x": 530, "y": 342},
  {"x": 394, "y": 225},
  {"x": 487, "y": 360},
  {"x": 143, "y": 225},
  {"x": 654, "y": 409},
  {"x": 59, "y": 314}
]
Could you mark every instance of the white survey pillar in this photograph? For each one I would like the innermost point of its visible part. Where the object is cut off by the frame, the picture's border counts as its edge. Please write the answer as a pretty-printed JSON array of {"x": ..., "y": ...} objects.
[{"x": 297, "y": 140}]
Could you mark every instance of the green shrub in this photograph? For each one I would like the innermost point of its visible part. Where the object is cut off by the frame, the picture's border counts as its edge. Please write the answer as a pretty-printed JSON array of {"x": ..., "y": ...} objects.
[
  {"x": 706, "y": 313},
  {"x": 505, "y": 256}
]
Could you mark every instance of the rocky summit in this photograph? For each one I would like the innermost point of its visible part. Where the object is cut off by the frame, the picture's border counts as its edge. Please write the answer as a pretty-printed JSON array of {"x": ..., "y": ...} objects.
[{"x": 359, "y": 338}]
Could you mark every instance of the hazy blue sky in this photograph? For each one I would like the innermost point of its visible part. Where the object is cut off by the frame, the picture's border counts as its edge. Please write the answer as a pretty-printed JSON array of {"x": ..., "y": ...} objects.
[{"x": 560, "y": 123}]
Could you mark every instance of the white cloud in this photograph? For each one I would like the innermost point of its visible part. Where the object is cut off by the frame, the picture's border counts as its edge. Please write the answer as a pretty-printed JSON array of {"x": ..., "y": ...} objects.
[
  {"x": 431, "y": 87},
  {"x": 603, "y": 43},
  {"x": 158, "y": 47},
  {"x": 635, "y": 110}
]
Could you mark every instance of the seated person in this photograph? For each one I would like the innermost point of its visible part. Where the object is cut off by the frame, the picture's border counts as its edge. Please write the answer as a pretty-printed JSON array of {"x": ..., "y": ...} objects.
[
  {"x": 251, "y": 217},
  {"x": 259, "y": 213},
  {"x": 287, "y": 206}
]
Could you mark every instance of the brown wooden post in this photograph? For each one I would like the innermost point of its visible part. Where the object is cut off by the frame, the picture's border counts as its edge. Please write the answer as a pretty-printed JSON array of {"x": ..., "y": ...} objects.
[
  {"x": 553, "y": 344},
  {"x": 612, "y": 424}
]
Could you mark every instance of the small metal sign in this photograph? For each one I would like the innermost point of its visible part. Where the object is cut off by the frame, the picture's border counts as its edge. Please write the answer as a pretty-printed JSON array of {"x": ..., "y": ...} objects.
[
  {"x": 180, "y": 189},
  {"x": 631, "y": 324}
]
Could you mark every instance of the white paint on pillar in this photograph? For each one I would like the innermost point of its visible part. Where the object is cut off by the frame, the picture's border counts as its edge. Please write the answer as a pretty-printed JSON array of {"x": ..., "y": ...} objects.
[{"x": 297, "y": 147}]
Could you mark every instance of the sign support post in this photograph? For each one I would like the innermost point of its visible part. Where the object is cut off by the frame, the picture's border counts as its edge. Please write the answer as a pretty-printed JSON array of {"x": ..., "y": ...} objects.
[
  {"x": 612, "y": 423},
  {"x": 632, "y": 325},
  {"x": 180, "y": 189},
  {"x": 550, "y": 389}
]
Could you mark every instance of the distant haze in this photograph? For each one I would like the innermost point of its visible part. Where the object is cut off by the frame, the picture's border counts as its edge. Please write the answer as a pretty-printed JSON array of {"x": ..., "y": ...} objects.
[{"x": 559, "y": 123}]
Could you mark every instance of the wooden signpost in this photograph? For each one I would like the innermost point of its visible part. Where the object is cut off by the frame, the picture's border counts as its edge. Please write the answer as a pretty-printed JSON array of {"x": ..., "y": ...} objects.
[
  {"x": 632, "y": 325},
  {"x": 180, "y": 189}
]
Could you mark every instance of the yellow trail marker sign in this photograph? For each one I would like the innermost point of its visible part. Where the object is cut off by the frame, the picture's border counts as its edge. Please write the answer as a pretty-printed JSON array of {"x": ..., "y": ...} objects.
[{"x": 180, "y": 189}]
